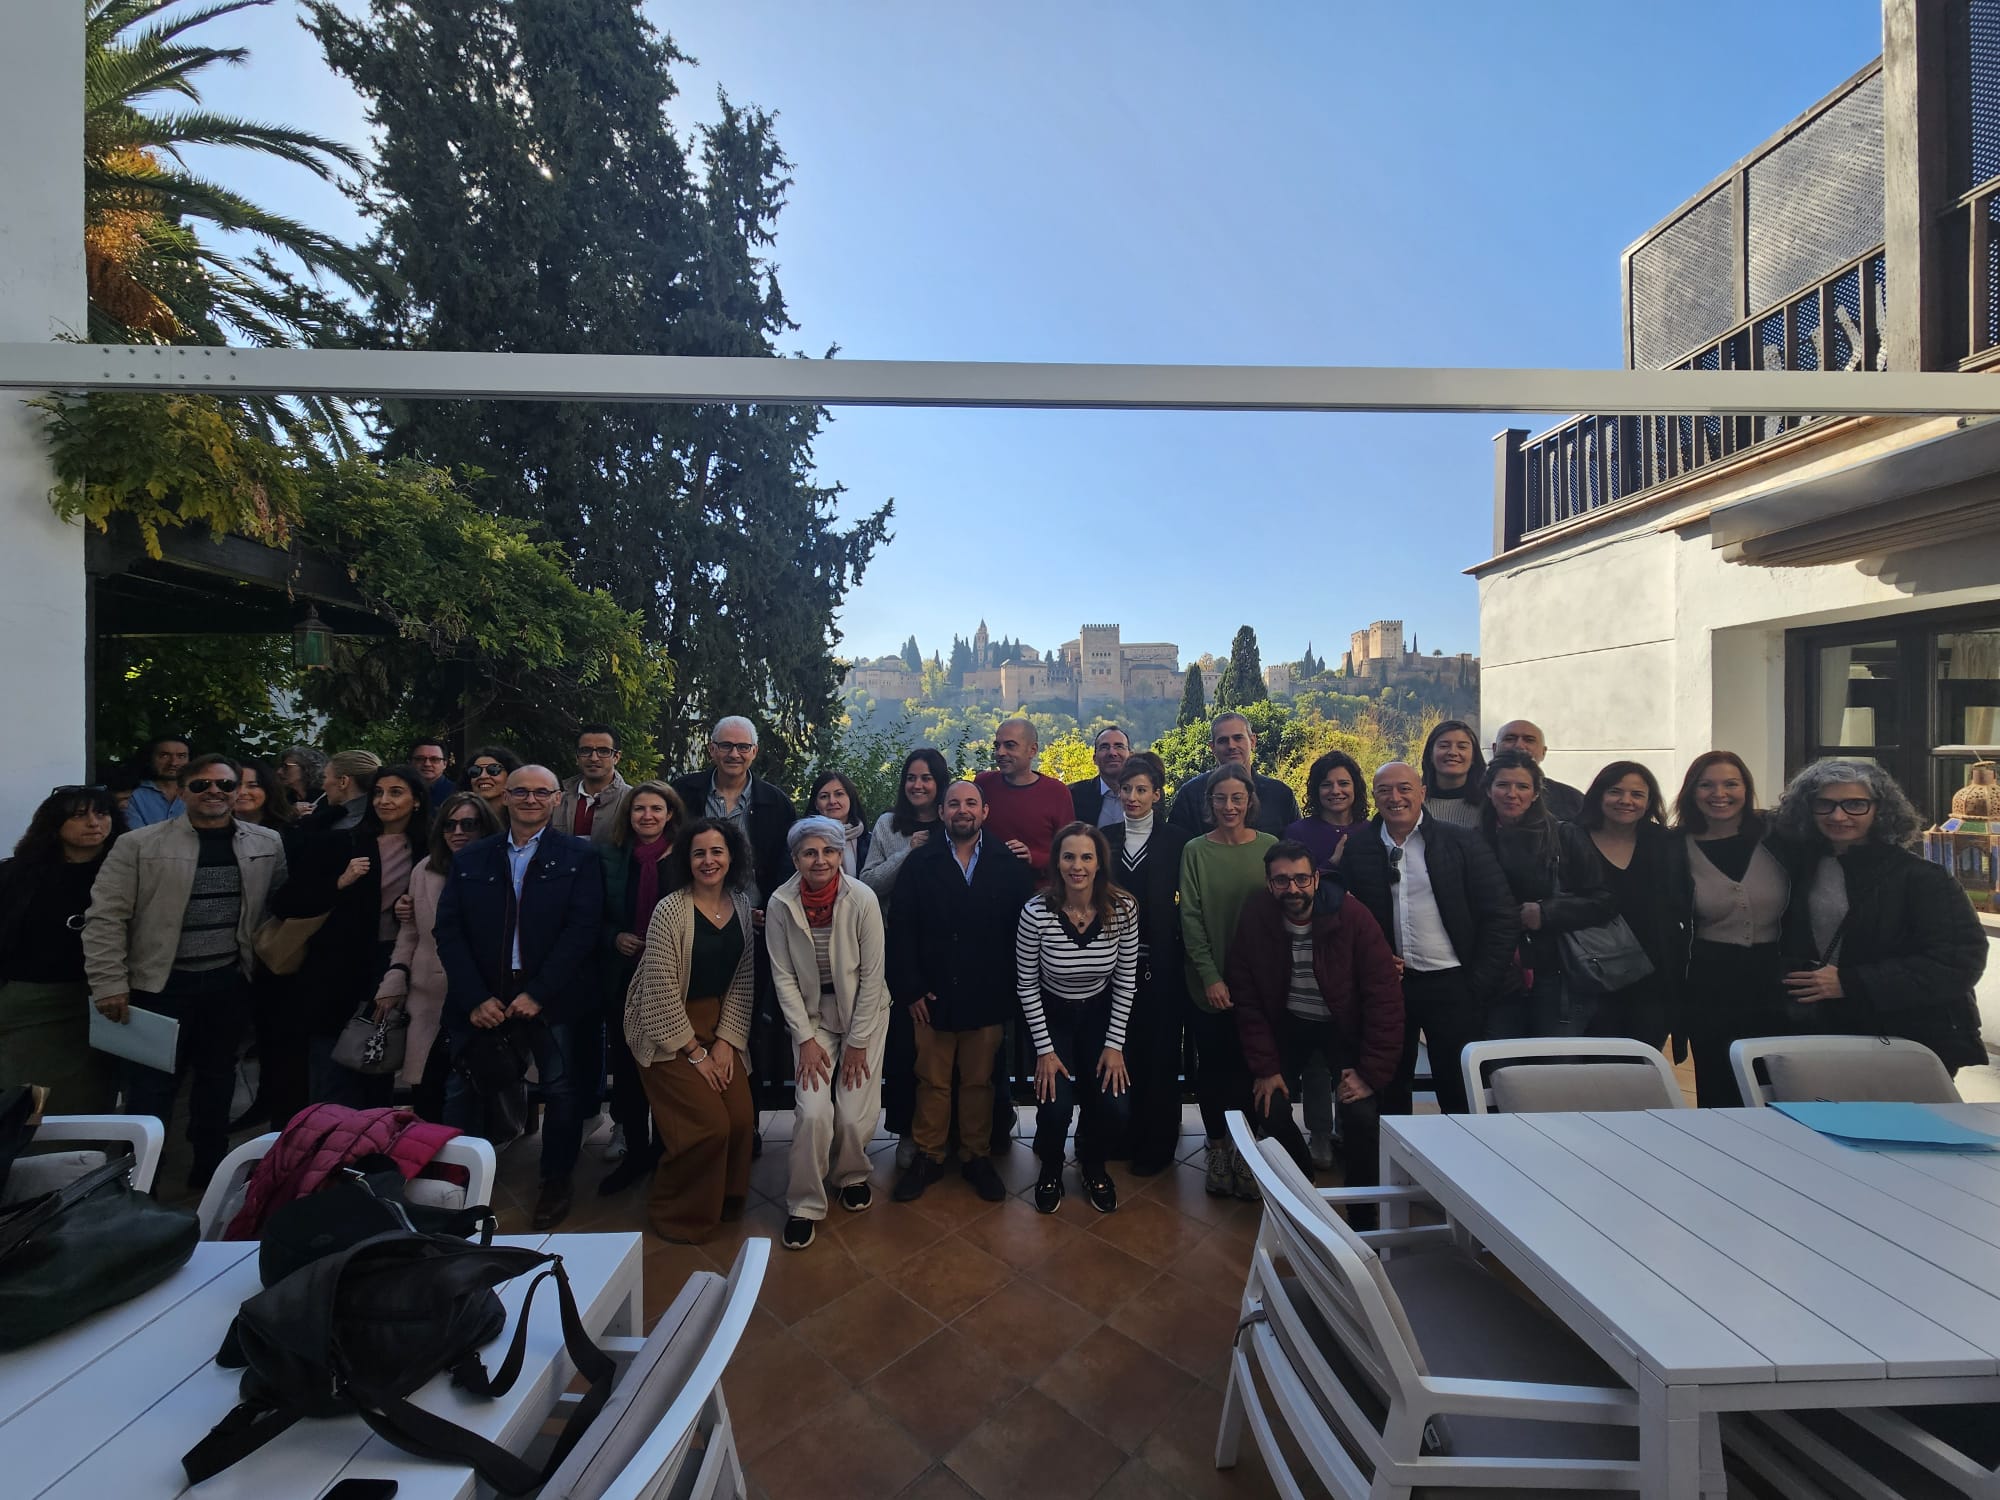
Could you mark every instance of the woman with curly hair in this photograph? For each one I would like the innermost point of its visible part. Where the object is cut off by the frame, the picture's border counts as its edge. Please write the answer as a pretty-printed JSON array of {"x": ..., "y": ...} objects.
[{"x": 1878, "y": 940}]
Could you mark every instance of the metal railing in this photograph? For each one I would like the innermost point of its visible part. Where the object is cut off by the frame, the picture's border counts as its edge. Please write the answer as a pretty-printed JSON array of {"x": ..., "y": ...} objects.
[
  {"x": 1981, "y": 207},
  {"x": 1593, "y": 461}
]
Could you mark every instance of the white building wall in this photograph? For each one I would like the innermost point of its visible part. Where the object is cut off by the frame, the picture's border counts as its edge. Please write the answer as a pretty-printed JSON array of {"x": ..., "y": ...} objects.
[{"x": 42, "y": 296}]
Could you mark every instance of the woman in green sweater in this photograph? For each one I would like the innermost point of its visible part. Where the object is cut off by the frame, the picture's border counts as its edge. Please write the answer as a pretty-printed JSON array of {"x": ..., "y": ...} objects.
[{"x": 1219, "y": 870}]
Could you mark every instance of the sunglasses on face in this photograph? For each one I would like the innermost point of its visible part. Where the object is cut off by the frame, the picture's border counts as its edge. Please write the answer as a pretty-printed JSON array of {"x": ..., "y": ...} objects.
[
  {"x": 76, "y": 791},
  {"x": 488, "y": 768},
  {"x": 220, "y": 783},
  {"x": 461, "y": 825}
]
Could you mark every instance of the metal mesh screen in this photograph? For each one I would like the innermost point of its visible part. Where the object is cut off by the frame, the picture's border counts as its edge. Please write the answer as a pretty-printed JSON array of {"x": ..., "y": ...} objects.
[
  {"x": 1985, "y": 92},
  {"x": 1805, "y": 335},
  {"x": 1816, "y": 200},
  {"x": 1845, "y": 331},
  {"x": 1682, "y": 290}
]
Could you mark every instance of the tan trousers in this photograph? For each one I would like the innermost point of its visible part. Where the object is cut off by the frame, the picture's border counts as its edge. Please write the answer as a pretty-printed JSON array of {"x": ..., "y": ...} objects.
[
  {"x": 704, "y": 1138},
  {"x": 972, "y": 1052}
]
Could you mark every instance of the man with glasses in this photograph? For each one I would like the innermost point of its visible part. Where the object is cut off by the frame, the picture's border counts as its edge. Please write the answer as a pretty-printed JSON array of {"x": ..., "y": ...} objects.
[
  {"x": 1309, "y": 977},
  {"x": 159, "y": 797},
  {"x": 430, "y": 758},
  {"x": 517, "y": 930},
  {"x": 1442, "y": 901},
  {"x": 1232, "y": 741},
  {"x": 590, "y": 798},
  {"x": 172, "y": 918}
]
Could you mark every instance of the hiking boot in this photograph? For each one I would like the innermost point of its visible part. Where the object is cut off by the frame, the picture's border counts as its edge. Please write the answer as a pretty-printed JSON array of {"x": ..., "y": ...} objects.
[
  {"x": 1241, "y": 1183},
  {"x": 1221, "y": 1158},
  {"x": 985, "y": 1181}
]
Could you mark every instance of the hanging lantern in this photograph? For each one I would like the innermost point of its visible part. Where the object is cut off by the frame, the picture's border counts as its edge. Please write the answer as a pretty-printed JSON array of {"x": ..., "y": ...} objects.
[{"x": 312, "y": 641}]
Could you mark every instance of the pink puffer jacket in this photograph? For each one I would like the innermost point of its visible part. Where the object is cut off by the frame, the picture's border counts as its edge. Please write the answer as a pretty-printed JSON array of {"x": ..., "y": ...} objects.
[{"x": 319, "y": 1142}]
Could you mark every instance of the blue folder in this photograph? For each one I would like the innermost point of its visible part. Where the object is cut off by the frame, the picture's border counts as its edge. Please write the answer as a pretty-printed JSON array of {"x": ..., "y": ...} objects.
[{"x": 1893, "y": 1127}]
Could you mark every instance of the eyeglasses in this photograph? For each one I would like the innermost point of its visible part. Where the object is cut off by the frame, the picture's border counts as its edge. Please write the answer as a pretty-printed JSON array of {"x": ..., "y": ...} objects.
[
  {"x": 487, "y": 768},
  {"x": 1395, "y": 864},
  {"x": 77, "y": 791},
  {"x": 426, "y": 760},
  {"x": 592, "y": 752},
  {"x": 1854, "y": 807},
  {"x": 1289, "y": 882},
  {"x": 461, "y": 825},
  {"x": 733, "y": 747},
  {"x": 531, "y": 793},
  {"x": 220, "y": 783}
]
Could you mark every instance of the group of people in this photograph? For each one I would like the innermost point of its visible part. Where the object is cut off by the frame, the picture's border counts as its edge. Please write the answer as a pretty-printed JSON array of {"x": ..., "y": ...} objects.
[{"x": 676, "y": 948}]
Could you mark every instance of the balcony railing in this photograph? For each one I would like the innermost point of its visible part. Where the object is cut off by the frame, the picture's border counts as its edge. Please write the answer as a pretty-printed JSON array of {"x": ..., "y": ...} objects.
[
  {"x": 1982, "y": 241},
  {"x": 1592, "y": 461}
]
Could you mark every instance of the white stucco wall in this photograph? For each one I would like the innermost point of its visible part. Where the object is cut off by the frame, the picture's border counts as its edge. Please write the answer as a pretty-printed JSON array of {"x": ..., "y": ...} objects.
[{"x": 41, "y": 296}]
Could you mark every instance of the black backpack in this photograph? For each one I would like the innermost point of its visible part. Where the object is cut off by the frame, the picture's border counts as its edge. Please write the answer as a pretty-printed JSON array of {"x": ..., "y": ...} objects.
[{"x": 360, "y": 1329}]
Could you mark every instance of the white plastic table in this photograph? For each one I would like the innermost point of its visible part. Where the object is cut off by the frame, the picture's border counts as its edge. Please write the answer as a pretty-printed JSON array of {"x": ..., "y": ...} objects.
[
  {"x": 108, "y": 1407},
  {"x": 1732, "y": 1260}
]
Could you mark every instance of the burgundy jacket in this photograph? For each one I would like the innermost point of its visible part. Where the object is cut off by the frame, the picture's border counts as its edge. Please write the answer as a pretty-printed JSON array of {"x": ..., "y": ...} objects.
[
  {"x": 319, "y": 1142},
  {"x": 1357, "y": 976}
]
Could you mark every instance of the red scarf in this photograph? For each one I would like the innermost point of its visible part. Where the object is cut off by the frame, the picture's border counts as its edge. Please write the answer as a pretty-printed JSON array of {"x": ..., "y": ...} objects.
[
  {"x": 819, "y": 903},
  {"x": 647, "y": 857}
]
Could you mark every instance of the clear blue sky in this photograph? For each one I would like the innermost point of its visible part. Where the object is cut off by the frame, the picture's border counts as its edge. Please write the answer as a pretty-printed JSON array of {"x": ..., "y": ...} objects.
[{"x": 1294, "y": 182}]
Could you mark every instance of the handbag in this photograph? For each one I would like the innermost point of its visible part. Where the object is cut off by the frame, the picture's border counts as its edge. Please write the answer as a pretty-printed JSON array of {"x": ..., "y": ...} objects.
[
  {"x": 1602, "y": 959},
  {"x": 89, "y": 1245},
  {"x": 366, "y": 1045},
  {"x": 280, "y": 942},
  {"x": 494, "y": 1063},
  {"x": 361, "y": 1329}
]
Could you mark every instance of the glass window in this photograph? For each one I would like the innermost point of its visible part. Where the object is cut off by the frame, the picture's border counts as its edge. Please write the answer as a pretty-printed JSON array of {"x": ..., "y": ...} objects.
[
  {"x": 1968, "y": 683},
  {"x": 1858, "y": 694}
]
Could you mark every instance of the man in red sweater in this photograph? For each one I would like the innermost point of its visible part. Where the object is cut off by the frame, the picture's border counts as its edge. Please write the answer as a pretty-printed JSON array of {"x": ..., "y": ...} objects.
[{"x": 1024, "y": 809}]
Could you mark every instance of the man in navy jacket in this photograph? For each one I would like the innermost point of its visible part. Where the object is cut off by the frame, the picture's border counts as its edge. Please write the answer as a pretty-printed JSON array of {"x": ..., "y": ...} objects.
[{"x": 517, "y": 929}]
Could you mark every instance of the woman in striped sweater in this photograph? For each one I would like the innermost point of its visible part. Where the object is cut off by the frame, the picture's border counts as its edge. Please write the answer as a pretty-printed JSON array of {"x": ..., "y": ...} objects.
[{"x": 1076, "y": 959}]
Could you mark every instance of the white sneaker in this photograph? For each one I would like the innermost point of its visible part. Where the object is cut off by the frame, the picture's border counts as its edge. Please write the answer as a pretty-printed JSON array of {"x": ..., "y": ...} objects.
[
  {"x": 614, "y": 1149},
  {"x": 1322, "y": 1153},
  {"x": 906, "y": 1152}
]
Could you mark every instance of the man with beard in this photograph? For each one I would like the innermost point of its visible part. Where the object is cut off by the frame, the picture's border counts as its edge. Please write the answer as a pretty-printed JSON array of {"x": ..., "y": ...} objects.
[
  {"x": 1305, "y": 980},
  {"x": 951, "y": 964}
]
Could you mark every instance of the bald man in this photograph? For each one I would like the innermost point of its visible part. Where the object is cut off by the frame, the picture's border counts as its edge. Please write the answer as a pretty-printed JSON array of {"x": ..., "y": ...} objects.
[
  {"x": 1563, "y": 801},
  {"x": 1023, "y": 807},
  {"x": 1443, "y": 903}
]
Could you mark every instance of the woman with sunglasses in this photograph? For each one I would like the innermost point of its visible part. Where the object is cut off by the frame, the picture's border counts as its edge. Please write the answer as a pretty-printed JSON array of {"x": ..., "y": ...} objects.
[
  {"x": 486, "y": 774},
  {"x": 44, "y": 999},
  {"x": 638, "y": 871},
  {"x": 415, "y": 977},
  {"x": 1877, "y": 941}
]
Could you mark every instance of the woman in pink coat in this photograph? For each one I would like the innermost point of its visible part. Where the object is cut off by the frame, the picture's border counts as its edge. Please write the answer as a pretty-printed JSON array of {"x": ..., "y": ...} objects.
[{"x": 415, "y": 978}]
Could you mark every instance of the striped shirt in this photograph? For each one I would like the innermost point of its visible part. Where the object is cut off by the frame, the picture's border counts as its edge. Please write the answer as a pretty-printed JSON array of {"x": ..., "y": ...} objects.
[
  {"x": 1304, "y": 998},
  {"x": 1052, "y": 958},
  {"x": 215, "y": 905}
]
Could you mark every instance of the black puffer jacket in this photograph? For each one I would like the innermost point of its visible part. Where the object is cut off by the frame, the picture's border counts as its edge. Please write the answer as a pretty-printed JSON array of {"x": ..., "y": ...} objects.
[
  {"x": 1563, "y": 874},
  {"x": 1911, "y": 950}
]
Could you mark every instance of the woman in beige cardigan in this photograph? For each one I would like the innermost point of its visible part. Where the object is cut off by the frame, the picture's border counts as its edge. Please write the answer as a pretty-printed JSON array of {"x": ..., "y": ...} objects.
[
  {"x": 687, "y": 1021},
  {"x": 415, "y": 977}
]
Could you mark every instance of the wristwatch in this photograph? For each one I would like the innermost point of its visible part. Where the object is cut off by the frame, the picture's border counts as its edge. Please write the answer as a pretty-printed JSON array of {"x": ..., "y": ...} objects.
[{"x": 698, "y": 1054}]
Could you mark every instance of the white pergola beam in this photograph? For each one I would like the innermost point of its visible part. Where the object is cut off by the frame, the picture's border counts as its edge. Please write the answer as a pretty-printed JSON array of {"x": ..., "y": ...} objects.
[{"x": 370, "y": 374}]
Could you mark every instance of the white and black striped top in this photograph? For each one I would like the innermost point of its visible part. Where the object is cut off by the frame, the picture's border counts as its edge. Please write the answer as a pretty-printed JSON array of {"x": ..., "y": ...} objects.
[{"x": 1053, "y": 958}]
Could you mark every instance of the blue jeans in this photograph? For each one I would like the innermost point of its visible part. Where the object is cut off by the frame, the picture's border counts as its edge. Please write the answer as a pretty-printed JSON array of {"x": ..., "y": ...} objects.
[
  {"x": 1077, "y": 1033},
  {"x": 564, "y": 1085}
]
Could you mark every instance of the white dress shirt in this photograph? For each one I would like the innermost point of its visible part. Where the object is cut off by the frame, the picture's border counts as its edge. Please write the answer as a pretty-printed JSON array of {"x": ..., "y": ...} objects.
[{"x": 1421, "y": 939}]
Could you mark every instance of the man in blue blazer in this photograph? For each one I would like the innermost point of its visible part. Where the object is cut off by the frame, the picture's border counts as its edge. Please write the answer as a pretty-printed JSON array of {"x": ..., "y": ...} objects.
[{"x": 517, "y": 929}]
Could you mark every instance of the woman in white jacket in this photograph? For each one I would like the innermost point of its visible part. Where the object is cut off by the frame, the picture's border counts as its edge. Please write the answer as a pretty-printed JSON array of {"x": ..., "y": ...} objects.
[
  {"x": 824, "y": 932},
  {"x": 415, "y": 977}
]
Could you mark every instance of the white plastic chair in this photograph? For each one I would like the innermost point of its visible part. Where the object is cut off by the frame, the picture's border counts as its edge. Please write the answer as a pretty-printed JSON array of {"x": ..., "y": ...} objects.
[
  {"x": 1794, "y": 1069},
  {"x": 666, "y": 1429},
  {"x": 1423, "y": 1370},
  {"x": 224, "y": 1195},
  {"x": 1910, "y": 1453},
  {"x": 1620, "y": 1074},
  {"x": 42, "y": 1172}
]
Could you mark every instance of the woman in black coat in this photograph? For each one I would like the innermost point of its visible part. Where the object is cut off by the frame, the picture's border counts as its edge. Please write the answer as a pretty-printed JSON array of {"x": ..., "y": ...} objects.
[
  {"x": 1623, "y": 814},
  {"x": 1877, "y": 940},
  {"x": 1554, "y": 871},
  {"x": 1146, "y": 862}
]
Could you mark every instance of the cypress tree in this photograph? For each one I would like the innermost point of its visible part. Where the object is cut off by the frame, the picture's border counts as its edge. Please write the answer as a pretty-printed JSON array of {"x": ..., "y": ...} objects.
[
  {"x": 1242, "y": 682},
  {"x": 912, "y": 657},
  {"x": 530, "y": 194},
  {"x": 1194, "y": 703}
]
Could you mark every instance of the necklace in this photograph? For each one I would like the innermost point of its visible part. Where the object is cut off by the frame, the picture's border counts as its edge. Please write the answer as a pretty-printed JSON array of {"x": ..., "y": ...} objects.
[{"x": 719, "y": 913}]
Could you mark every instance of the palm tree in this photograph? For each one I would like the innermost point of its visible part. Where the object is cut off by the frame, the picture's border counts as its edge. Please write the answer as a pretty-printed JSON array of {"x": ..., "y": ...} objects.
[{"x": 152, "y": 277}]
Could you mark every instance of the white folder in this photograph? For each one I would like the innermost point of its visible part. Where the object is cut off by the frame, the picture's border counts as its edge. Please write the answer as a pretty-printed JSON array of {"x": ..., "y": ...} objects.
[{"x": 147, "y": 1038}]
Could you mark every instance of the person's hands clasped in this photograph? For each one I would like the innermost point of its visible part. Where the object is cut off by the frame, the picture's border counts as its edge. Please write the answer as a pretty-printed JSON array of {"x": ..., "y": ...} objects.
[
  {"x": 1351, "y": 1090},
  {"x": 853, "y": 1068},
  {"x": 357, "y": 869},
  {"x": 1048, "y": 1068},
  {"x": 1111, "y": 1074},
  {"x": 815, "y": 1068},
  {"x": 1264, "y": 1090},
  {"x": 1218, "y": 996},
  {"x": 629, "y": 944},
  {"x": 114, "y": 1008},
  {"x": 1810, "y": 986},
  {"x": 524, "y": 1007},
  {"x": 488, "y": 1014}
]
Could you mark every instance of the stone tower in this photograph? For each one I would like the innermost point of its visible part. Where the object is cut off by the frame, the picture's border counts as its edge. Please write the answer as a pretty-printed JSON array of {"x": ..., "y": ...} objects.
[{"x": 980, "y": 643}]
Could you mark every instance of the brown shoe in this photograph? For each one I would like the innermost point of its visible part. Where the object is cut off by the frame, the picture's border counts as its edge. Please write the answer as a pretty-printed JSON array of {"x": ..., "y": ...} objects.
[{"x": 552, "y": 1207}]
